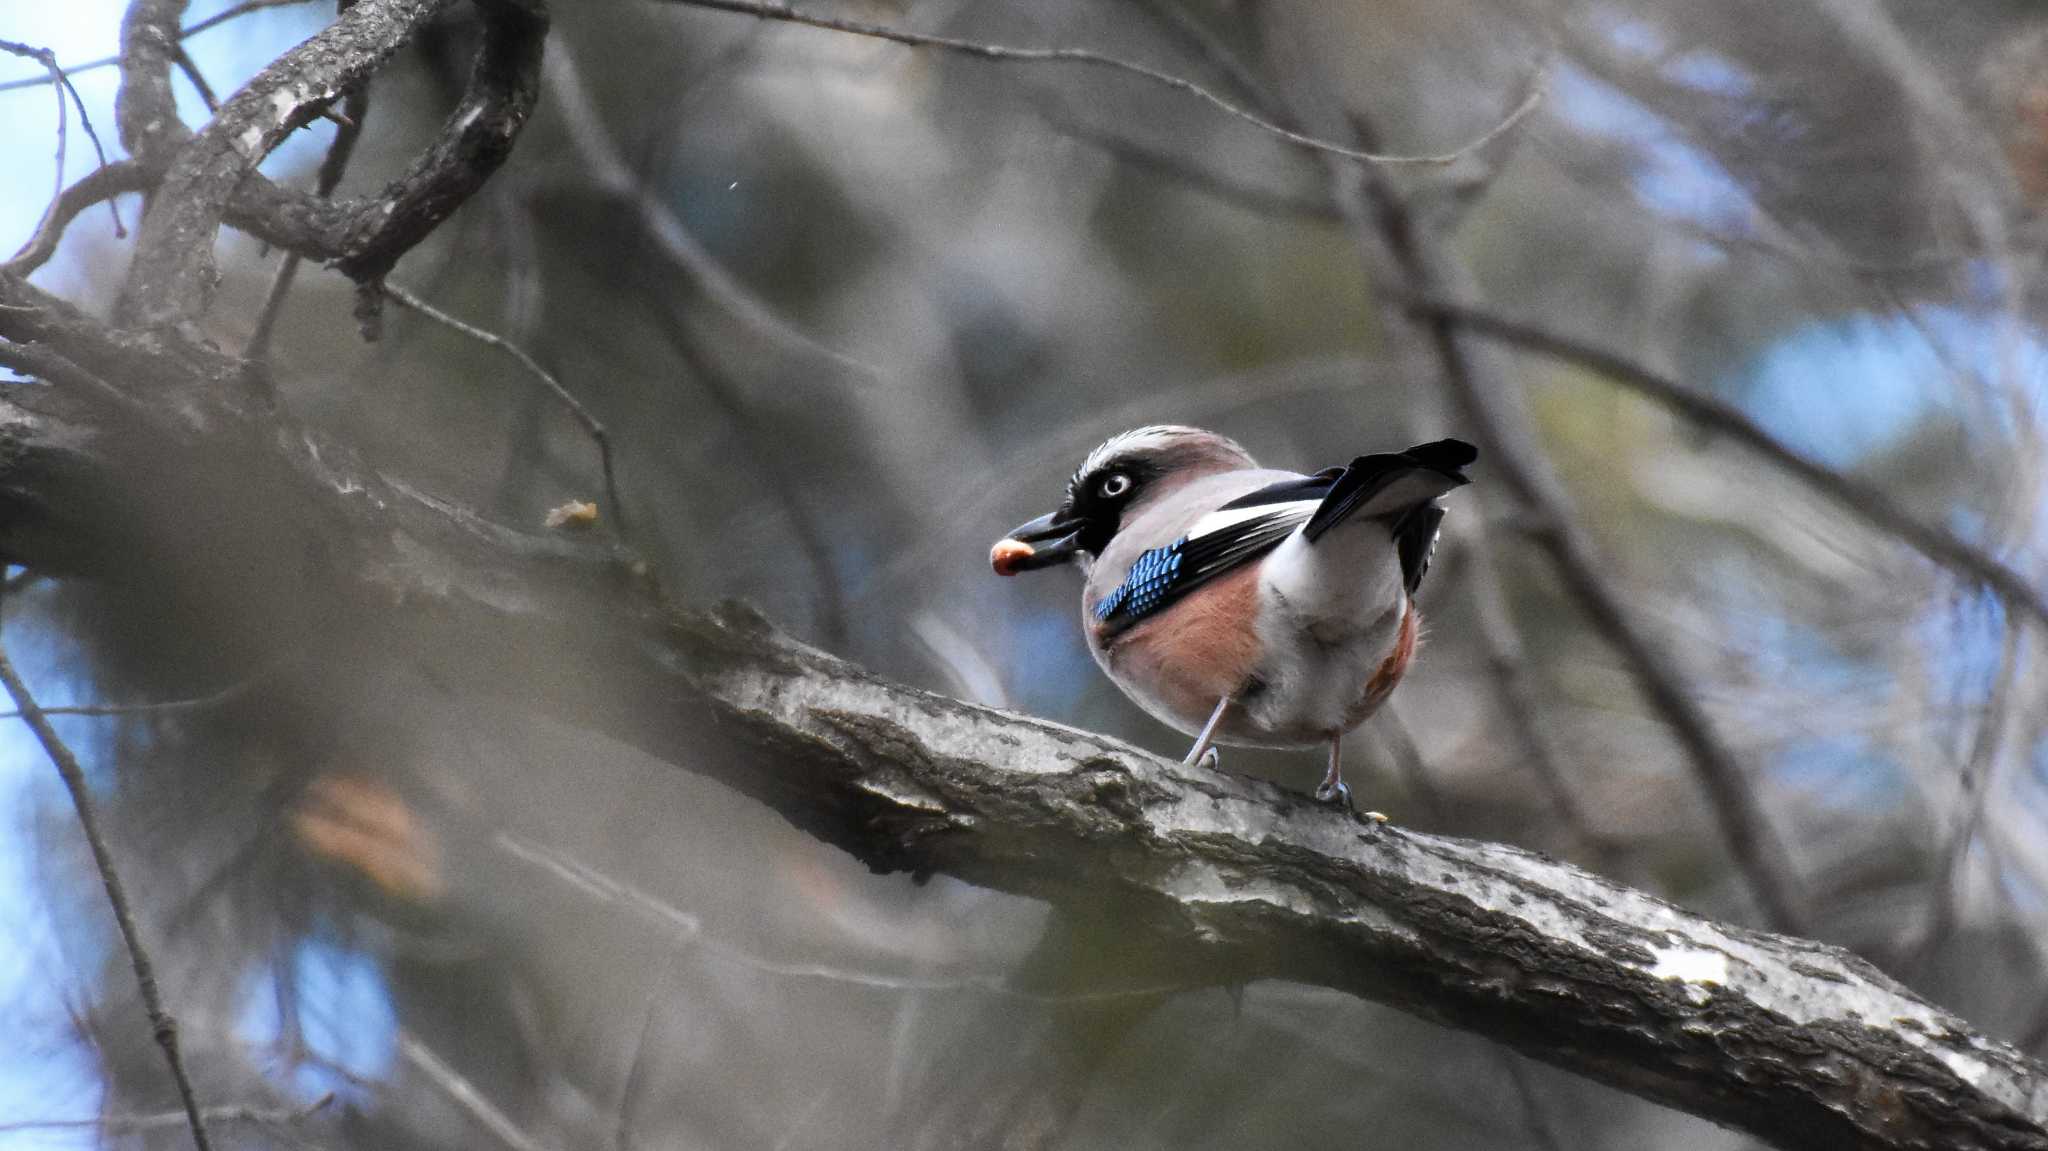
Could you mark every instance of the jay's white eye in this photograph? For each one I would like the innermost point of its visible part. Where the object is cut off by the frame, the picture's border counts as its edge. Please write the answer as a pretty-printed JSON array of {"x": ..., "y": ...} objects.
[{"x": 1113, "y": 485}]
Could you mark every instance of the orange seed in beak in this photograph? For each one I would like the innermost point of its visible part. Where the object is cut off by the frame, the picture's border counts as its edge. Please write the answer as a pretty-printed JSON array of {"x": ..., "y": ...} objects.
[{"x": 1005, "y": 555}]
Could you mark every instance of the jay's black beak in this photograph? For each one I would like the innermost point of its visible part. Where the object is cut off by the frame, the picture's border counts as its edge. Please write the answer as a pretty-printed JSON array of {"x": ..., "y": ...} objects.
[{"x": 1043, "y": 542}]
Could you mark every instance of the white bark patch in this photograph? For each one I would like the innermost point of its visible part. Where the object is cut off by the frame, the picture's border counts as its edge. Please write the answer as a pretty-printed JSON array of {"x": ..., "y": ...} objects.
[
  {"x": 903, "y": 795},
  {"x": 250, "y": 142},
  {"x": 1971, "y": 1071},
  {"x": 1690, "y": 965}
]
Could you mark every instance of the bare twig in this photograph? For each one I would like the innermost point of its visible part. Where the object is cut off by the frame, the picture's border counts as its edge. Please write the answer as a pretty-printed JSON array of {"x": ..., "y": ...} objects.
[
  {"x": 166, "y": 707},
  {"x": 44, "y": 363},
  {"x": 192, "y": 29},
  {"x": 215, "y": 1116},
  {"x": 1859, "y": 498},
  {"x": 772, "y": 462},
  {"x": 100, "y": 184},
  {"x": 57, "y": 75},
  {"x": 198, "y": 79},
  {"x": 1190, "y": 173},
  {"x": 1752, "y": 845},
  {"x": 164, "y": 1027},
  {"x": 1976, "y": 790},
  {"x": 1210, "y": 49},
  {"x": 568, "y": 400},
  {"x": 777, "y": 10},
  {"x": 636, "y": 1070},
  {"x": 687, "y": 928}
]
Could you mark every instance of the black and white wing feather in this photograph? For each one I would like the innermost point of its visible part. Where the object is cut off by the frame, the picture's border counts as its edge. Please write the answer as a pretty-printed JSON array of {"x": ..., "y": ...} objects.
[
  {"x": 1402, "y": 488},
  {"x": 1219, "y": 542}
]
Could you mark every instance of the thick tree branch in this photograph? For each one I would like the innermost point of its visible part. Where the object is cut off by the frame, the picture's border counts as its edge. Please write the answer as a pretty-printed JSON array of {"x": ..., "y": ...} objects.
[{"x": 1227, "y": 879}]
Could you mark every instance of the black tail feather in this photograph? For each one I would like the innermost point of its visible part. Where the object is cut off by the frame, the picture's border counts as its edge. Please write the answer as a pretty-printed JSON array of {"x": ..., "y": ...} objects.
[
  {"x": 1415, "y": 541},
  {"x": 1368, "y": 476}
]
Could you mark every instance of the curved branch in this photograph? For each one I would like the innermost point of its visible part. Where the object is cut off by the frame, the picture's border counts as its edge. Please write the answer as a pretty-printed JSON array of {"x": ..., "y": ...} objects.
[
  {"x": 102, "y": 183},
  {"x": 171, "y": 277},
  {"x": 1219, "y": 878}
]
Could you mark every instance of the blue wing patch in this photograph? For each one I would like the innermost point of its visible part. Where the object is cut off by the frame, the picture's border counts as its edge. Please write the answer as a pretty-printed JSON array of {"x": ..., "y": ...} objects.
[
  {"x": 1144, "y": 589},
  {"x": 1160, "y": 577}
]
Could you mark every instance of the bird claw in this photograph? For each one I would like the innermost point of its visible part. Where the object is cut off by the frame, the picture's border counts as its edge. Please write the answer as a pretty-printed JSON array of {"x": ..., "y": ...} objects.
[
  {"x": 1335, "y": 792},
  {"x": 1209, "y": 760}
]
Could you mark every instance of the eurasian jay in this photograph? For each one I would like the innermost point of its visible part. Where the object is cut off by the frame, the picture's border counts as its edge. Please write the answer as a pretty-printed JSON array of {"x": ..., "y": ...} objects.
[{"x": 1239, "y": 604}]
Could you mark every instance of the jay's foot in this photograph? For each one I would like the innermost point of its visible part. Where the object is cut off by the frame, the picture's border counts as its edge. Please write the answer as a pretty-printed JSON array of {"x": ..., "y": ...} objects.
[
  {"x": 1334, "y": 791},
  {"x": 1209, "y": 759}
]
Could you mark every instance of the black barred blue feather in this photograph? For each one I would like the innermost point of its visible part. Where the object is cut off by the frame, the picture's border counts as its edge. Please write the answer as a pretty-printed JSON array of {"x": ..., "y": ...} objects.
[{"x": 1145, "y": 588}]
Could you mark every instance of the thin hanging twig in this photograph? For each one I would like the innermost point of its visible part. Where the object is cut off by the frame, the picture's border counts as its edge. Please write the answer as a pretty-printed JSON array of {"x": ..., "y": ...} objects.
[
  {"x": 161, "y": 1024},
  {"x": 569, "y": 402},
  {"x": 776, "y": 10}
]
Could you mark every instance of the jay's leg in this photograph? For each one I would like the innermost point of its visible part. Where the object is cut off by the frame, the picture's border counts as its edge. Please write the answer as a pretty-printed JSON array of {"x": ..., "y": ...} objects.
[
  {"x": 1203, "y": 753},
  {"x": 1332, "y": 789}
]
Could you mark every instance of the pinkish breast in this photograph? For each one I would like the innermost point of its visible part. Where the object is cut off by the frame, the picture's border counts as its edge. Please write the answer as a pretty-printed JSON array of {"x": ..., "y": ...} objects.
[{"x": 1204, "y": 648}]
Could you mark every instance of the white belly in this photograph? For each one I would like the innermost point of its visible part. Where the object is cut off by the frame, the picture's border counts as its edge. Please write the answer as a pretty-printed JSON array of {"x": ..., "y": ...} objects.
[{"x": 1330, "y": 616}]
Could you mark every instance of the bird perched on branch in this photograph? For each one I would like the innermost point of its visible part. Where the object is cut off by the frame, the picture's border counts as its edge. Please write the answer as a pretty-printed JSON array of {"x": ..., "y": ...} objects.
[{"x": 1240, "y": 604}]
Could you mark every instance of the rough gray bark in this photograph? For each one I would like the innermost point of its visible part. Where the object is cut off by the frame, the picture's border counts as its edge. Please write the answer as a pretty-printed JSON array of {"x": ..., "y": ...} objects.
[{"x": 1226, "y": 879}]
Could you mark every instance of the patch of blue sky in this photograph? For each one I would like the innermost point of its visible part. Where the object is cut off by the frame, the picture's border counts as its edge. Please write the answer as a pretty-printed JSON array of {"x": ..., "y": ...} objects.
[
  {"x": 1842, "y": 388},
  {"x": 1784, "y": 647},
  {"x": 1845, "y": 771},
  {"x": 1964, "y": 644},
  {"x": 1672, "y": 177},
  {"x": 1710, "y": 73},
  {"x": 1628, "y": 32},
  {"x": 1838, "y": 389},
  {"x": 346, "y": 1020},
  {"x": 1062, "y": 674}
]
